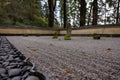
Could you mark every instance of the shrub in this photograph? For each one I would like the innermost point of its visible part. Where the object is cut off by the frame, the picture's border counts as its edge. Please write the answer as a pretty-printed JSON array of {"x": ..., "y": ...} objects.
[
  {"x": 55, "y": 36},
  {"x": 67, "y": 37},
  {"x": 96, "y": 36}
]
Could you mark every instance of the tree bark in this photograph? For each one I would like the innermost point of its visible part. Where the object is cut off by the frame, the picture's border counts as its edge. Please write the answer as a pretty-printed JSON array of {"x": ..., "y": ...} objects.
[
  {"x": 65, "y": 15},
  {"x": 95, "y": 12},
  {"x": 82, "y": 12},
  {"x": 52, "y": 5},
  {"x": 117, "y": 18}
]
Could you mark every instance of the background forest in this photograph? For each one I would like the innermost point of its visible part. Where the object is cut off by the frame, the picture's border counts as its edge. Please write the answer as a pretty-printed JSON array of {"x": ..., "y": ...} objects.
[{"x": 59, "y": 13}]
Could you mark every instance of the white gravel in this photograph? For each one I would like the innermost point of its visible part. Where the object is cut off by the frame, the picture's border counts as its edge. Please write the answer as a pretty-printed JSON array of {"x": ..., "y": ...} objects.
[{"x": 82, "y": 58}]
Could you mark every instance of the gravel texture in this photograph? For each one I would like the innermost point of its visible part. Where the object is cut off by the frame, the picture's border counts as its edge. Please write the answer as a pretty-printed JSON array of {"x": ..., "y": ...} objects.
[{"x": 81, "y": 58}]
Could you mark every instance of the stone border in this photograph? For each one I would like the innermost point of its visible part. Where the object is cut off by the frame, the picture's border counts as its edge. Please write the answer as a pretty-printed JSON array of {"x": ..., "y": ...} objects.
[{"x": 14, "y": 65}]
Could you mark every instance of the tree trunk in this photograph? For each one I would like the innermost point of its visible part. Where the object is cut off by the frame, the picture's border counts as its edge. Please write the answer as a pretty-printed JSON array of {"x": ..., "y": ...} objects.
[
  {"x": 65, "y": 15},
  {"x": 95, "y": 12},
  {"x": 82, "y": 12},
  {"x": 52, "y": 4},
  {"x": 117, "y": 18},
  {"x": 66, "y": 25},
  {"x": 51, "y": 19},
  {"x": 69, "y": 29},
  {"x": 105, "y": 15}
]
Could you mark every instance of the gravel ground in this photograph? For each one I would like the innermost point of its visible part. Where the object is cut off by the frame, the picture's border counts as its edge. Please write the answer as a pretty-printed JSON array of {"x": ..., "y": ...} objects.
[{"x": 82, "y": 58}]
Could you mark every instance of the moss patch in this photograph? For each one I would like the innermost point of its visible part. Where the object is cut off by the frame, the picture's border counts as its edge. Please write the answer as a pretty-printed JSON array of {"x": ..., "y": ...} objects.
[
  {"x": 67, "y": 37},
  {"x": 96, "y": 36},
  {"x": 55, "y": 36}
]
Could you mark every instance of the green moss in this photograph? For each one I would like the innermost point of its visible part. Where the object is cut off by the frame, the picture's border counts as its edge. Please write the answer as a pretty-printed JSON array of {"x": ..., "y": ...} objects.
[
  {"x": 67, "y": 37},
  {"x": 55, "y": 36},
  {"x": 96, "y": 36},
  {"x": 25, "y": 35}
]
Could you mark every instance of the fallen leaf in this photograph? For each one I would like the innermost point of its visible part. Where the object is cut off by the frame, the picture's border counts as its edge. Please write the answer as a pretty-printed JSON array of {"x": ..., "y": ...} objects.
[
  {"x": 28, "y": 47},
  {"x": 68, "y": 71},
  {"x": 109, "y": 49},
  {"x": 29, "y": 58},
  {"x": 34, "y": 49}
]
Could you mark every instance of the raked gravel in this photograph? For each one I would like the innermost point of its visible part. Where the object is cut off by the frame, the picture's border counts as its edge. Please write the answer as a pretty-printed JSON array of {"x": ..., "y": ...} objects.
[{"x": 81, "y": 58}]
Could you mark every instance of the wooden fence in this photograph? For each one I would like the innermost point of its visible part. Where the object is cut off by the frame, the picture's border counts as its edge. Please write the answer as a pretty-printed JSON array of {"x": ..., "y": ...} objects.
[{"x": 110, "y": 30}]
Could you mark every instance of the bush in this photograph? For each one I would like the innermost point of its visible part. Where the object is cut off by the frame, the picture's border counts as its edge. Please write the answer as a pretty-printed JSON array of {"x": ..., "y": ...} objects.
[
  {"x": 96, "y": 36},
  {"x": 67, "y": 37},
  {"x": 55, "y": 36}
]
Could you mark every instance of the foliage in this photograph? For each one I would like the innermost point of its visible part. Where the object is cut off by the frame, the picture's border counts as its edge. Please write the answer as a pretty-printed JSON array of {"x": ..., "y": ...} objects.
[
  {"x": 21, "y": 13},
  {"x": 39, "y": 21},
  {"x": 49, "y": 13}
]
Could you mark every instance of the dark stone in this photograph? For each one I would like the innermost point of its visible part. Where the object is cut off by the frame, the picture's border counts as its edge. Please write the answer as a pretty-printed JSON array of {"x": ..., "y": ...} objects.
[
  {"x": 22, "y": 57},
  {"x": 18, "y": 52},
  {"x": 17, "y": 59},
  {"x": 10, "y": 58},
  {"x": 3, "y": 75},
  {"x": 6, "y": 64},
  {"x": 3, "y": 54},
  {"x": 14, "y": 72},
  {"x": 39, "y": 75},
  {"x": 11, "y": 67},
  {"x": 32, "y": 78},
  {"x": 4, "y": 57},
  {"x": 25, "y": 75},
  {"x": 1, "y": 59},
  {"x": 0, "y": 65},
  {"x": 16, "y": 78},
  {"x": 2, "y": 70}
]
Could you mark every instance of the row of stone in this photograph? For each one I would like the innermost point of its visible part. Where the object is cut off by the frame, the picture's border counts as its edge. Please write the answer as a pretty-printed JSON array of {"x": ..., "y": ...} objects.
[{"x": 14, "y": 65}]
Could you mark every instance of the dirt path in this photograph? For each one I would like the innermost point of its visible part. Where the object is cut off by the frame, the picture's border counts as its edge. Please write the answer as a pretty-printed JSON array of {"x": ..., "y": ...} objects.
[{"x": 82, "y": 58}]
